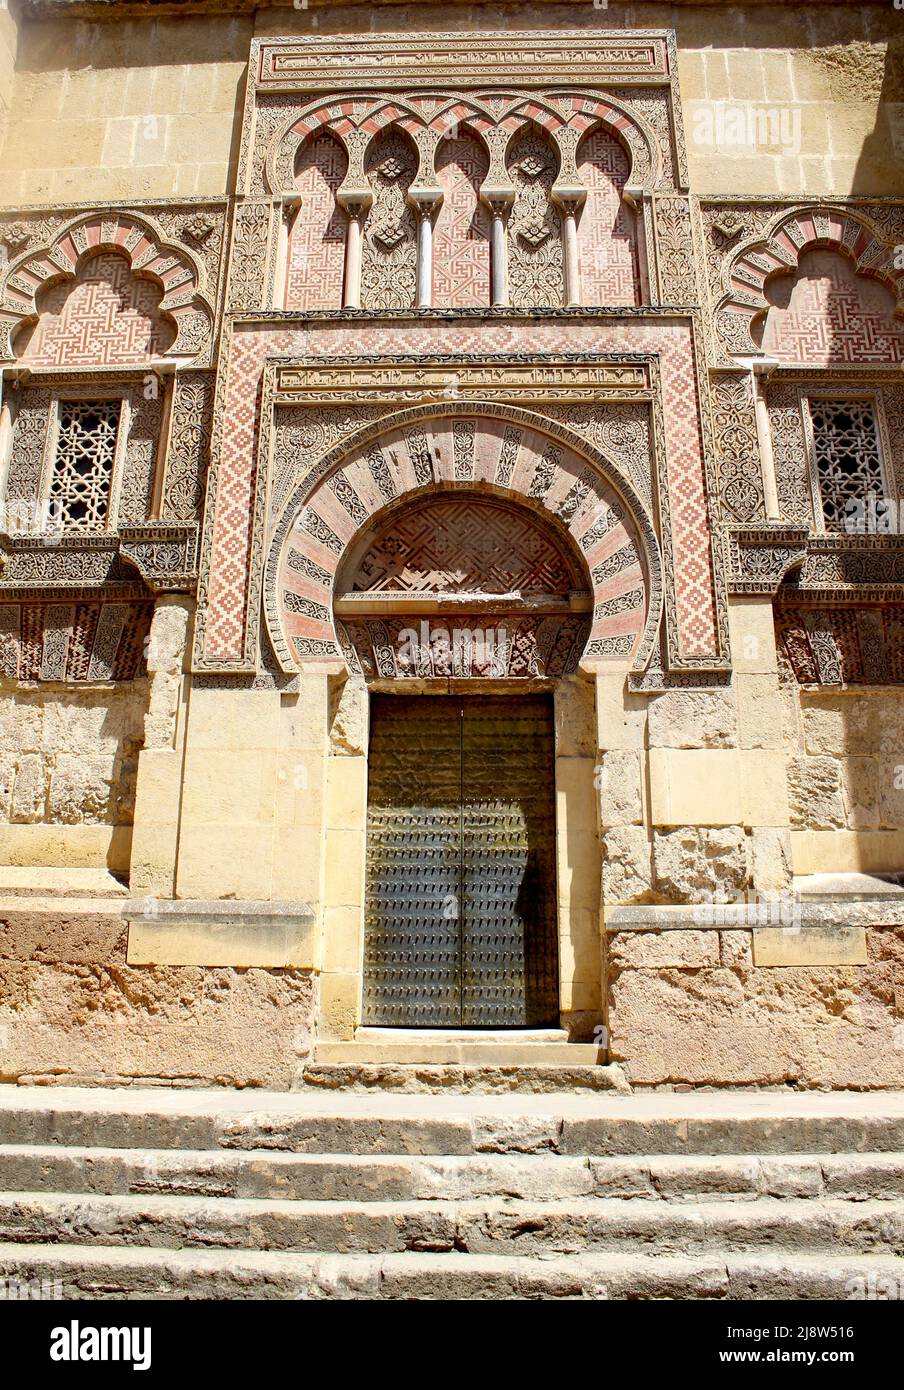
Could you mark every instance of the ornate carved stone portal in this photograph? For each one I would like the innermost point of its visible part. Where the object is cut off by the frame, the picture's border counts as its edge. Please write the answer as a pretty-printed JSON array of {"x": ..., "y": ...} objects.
[
  {"x": 456, "y": 521},
  {"x": 480, "y": 588}
]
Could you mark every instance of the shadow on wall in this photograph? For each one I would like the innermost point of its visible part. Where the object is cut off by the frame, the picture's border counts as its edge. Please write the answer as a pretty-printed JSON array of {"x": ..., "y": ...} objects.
[{"x": 886, "y": 143}]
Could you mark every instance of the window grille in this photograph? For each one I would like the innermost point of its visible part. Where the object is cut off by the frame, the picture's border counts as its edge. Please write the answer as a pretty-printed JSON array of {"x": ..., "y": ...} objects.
[
  {"x": 81, "y": 479},
  {"x": 848, "y": 460}
]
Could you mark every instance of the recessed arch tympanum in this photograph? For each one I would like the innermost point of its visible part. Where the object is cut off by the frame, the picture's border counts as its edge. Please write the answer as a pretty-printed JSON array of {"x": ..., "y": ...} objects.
[{"x": 448, "y": 487}]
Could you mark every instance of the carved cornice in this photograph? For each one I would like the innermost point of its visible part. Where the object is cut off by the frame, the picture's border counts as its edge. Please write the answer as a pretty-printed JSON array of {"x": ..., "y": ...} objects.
[
  {"x": 757, "y": 558},
  {"x": 425, "y": 59},
  {"x": 357, "y": 380},
  {"x": 840, "y": 568},
  {"x": 165, "y": 556}
]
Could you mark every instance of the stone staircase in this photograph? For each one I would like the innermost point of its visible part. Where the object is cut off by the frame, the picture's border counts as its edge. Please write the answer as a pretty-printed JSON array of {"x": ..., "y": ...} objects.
[{"x": 178, "y": 1194}]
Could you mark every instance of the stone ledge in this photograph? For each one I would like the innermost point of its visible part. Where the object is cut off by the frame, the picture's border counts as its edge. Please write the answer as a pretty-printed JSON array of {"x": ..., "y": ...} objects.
[
  {"x": 220, "y": 932},
  {"x": 790, "y": 915}
]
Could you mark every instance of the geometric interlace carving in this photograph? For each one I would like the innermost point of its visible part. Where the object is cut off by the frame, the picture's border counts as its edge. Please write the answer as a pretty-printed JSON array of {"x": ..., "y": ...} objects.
[
  {"x": 83, "y": 466},
  {"x": 848, "y": 459},
  {"x": 107, "y": 317},
  {"x": 465, "y": 546}
]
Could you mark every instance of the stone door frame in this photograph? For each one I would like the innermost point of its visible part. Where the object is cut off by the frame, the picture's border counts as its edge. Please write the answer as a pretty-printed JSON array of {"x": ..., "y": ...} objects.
[{"x": 578, "y": 855}]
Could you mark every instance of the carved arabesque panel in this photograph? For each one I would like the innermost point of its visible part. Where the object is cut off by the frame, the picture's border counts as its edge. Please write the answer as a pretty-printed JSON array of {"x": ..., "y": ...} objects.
[
  {"x": 789, "y": 448},
  {"x": 32, "y": 421},
  {"x": 139, "y": 476},
  {"x": 189, "y": 447},
  {"x": 536, "y": 273},
  {"x": 389, "y": 250},
  {"x": 737, "y": 455}
]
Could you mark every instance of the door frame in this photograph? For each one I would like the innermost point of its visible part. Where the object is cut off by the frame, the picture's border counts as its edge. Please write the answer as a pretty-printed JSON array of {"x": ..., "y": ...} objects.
[{"x": 578, "y": 852}]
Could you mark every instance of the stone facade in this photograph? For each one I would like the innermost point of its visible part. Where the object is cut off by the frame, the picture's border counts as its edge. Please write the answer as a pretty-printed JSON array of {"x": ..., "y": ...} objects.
[{"x": 609, "y": 308}]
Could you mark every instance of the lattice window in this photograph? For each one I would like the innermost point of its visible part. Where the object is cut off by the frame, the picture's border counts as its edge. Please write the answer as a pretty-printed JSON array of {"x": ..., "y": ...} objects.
[
  {"x": 848, "y": 461},
  {"x": 81, "y": 479}
]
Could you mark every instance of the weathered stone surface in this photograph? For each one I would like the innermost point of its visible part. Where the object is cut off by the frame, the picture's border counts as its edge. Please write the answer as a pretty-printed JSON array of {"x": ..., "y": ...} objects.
[
  {"x": 626, "y": 864},
  {"x": 165, "y": 659},
  {"x": 693, "y": 719},
  {"x": 770, "y": 859},
  {"x": 348, "y": 717},
  {"x": 621, "y": 718},
  {"x": 889, "y": 778},
  {"x": 7, "y": 778},
  {"x": 836, "y": 724},
  {"x": 814, "y": 793},
  {"x": 69, "y": 757},
  {"x": 860, "y": 788},
  {"x": 648, "y": 950},
  {"x": 94, "y": 1021},
  {"x": 21, "y": 720},
  {"x": 619, "y": 779},
  {"x": 80, "y": 789},
  {"x": 759, "y": 711},
  {"x": 812, "y": 1026},
  {"x": 69, "y": 935},
  {"x": 575, "y": 715},
  {"x": 696, "y": 865},
  {"x": 29, "y": 790},
  {"x": 736, "y": 949}
]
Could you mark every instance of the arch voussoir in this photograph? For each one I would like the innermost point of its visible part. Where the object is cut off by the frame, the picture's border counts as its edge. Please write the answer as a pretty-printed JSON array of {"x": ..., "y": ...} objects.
[{"x": 543, "y": 472}]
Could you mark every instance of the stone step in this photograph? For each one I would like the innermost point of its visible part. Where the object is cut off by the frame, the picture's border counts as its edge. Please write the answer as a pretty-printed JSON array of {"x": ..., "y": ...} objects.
[
  {"x": 371, "y": 1033},
  {"x": 578, "y": 1124},
  {"x": 559, "y": 1226},
  {"x": 122, "y": 1272},
  {"x": 435, "y": 1069},
  {"x": 545, "y": 1057},
  {"x": 258, "y": 1173}
]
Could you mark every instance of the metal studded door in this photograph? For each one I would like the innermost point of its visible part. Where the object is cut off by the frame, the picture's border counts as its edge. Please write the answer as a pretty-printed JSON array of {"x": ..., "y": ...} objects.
[{"x": 460, "y": 927}]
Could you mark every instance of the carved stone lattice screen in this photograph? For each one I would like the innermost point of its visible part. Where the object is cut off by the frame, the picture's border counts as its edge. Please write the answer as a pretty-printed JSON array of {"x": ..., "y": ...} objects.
[
  {"x": 848, "y": 459},
  {"x": 81, "y": 479}
]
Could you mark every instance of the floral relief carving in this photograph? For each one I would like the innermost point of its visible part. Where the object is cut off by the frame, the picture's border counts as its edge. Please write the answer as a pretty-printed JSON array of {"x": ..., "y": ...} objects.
[
  {"x": 676, "y": 251},
  {"x": 536, "y": 273},
  {"x": 789, "y": 448},
  {"x": 389, "y": 252},
  {"x": 189, "y": 448},
  {"x": 739, "y": 477}
]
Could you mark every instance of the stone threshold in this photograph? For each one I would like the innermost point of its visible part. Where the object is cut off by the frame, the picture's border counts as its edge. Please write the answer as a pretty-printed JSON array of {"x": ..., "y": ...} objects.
[{"x": 548, "y": 1047}]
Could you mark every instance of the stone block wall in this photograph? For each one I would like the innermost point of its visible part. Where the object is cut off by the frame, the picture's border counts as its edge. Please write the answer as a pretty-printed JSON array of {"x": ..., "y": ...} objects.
[
  {"x": 691, "y": 1006},
  {"x": 693, "y": 793},
  {"x": 72, "y": 1009},
  {"x": 846, "y": 779},
  {"x": 150, "y": 108},
  {"x": 68, "y": 764}
]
